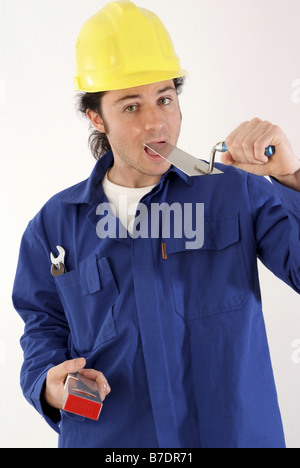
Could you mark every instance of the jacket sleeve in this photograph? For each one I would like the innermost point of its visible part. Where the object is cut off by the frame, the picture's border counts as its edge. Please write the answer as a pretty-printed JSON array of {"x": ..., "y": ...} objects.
[
  {"x": 45, "y": 339},
  {"x": 276, "y": 218}
]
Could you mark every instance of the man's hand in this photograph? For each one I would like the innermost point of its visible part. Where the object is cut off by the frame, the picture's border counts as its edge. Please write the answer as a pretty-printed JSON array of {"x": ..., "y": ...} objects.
[
  {"x": 246, "y": 147},
  {"x": 54, "y": 390}
]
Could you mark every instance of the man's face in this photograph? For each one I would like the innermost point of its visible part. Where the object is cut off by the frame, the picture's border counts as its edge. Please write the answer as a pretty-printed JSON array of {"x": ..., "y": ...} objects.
[{"x": 133, "y": 117}]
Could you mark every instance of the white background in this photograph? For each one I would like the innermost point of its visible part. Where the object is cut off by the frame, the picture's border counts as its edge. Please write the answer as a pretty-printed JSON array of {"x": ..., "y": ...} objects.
[{"x": 243, "y": 62}]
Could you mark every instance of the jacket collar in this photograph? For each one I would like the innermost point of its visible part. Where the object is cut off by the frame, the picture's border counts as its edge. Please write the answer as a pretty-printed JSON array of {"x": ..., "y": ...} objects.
[
  {"x": 90, "y": 190},
  {"x": 87, "y": 192}
]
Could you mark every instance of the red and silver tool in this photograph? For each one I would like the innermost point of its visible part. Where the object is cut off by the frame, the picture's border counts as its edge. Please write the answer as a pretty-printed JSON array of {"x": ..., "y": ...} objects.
[{"x": 82, "y": 397}]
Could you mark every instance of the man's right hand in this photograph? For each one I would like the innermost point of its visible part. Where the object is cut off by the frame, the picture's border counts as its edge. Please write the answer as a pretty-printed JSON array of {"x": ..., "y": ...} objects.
[{"x": 56, "y": 377}]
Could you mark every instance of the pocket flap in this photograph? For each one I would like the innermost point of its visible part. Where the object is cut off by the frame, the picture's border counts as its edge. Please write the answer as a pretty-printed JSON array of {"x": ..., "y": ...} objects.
[
  {"x": 88, "y": 295},
  {"x": 89, "y": 276},
  {"x": 219, "y": 233}
]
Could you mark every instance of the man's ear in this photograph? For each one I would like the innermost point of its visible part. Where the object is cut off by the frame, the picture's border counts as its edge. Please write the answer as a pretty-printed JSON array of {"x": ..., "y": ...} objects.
[{"x": 96, "y": 120}]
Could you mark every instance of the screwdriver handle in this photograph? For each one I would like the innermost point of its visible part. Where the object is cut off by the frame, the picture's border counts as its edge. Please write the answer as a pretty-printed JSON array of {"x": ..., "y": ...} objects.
[{"x": 269, "y": 151}]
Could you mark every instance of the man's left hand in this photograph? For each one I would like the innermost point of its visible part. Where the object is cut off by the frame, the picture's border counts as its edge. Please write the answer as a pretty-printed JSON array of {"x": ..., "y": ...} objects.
[{"x": 246, "y": 147}]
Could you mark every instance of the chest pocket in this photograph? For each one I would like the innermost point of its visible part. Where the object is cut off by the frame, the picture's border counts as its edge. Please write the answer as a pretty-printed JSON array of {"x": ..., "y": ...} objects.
[
  {"x": 211, "y": 280},
  {"x": 88, "y": 295}
]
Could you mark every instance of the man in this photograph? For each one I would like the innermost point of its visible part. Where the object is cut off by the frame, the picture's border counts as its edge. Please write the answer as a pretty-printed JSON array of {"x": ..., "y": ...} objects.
[{"x": 173, "y": 334}]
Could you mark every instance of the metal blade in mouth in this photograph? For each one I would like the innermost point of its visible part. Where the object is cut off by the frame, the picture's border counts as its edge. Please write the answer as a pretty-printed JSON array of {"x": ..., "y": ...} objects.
[{"x": 184, "y": 161}]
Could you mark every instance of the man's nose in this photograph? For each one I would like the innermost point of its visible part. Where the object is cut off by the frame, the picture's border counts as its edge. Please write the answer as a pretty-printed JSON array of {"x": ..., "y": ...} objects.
[{"x": 153, "y": 120}]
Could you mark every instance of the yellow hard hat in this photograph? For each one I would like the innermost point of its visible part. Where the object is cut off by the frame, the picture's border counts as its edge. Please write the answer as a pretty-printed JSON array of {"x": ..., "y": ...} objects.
[{"x": 124, "y": 46}]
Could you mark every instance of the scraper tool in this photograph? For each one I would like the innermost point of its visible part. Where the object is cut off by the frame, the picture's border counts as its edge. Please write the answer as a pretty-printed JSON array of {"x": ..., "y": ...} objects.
[
  {"x": 189, "y": 164},
  {"x": 184, "y": 161}
]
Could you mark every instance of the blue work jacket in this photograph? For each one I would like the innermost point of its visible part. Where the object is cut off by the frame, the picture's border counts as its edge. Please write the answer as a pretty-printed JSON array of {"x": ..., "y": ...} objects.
[{"x": 178, "y": 332}]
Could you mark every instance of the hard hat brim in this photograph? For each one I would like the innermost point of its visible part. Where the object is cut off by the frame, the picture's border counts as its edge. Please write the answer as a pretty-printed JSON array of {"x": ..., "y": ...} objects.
[{"x": 92, "y": 83}]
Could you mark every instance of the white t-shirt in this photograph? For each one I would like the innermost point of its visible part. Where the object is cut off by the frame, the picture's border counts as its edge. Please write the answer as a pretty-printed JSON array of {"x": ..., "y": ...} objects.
[{"x": 125, "y": 200}]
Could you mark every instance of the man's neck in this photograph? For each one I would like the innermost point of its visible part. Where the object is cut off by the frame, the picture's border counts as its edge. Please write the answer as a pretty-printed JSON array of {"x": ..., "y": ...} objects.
[{"x": 132, "y": 178}]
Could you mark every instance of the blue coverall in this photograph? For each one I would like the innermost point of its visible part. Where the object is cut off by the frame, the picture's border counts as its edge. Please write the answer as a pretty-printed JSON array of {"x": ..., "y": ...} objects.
[{"x": 180, "y": 336}]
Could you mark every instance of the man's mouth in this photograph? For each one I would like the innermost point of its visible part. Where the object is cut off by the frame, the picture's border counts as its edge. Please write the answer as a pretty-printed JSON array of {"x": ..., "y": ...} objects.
[{"x": 151, "y": 153}]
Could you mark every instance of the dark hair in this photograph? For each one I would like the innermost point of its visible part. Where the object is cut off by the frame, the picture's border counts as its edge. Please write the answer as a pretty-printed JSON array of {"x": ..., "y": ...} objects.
[{"x": 98, "y": 142}]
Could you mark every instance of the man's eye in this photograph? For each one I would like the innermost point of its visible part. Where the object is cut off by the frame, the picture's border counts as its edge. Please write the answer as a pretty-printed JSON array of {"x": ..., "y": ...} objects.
[
  {"x": 164, "y": 101},
  {"x": 131, "y": 109}
]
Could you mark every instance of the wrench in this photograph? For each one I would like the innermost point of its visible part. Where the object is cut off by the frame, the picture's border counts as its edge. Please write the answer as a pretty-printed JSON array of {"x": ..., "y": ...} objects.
[{"x": 58, "y": 263}]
